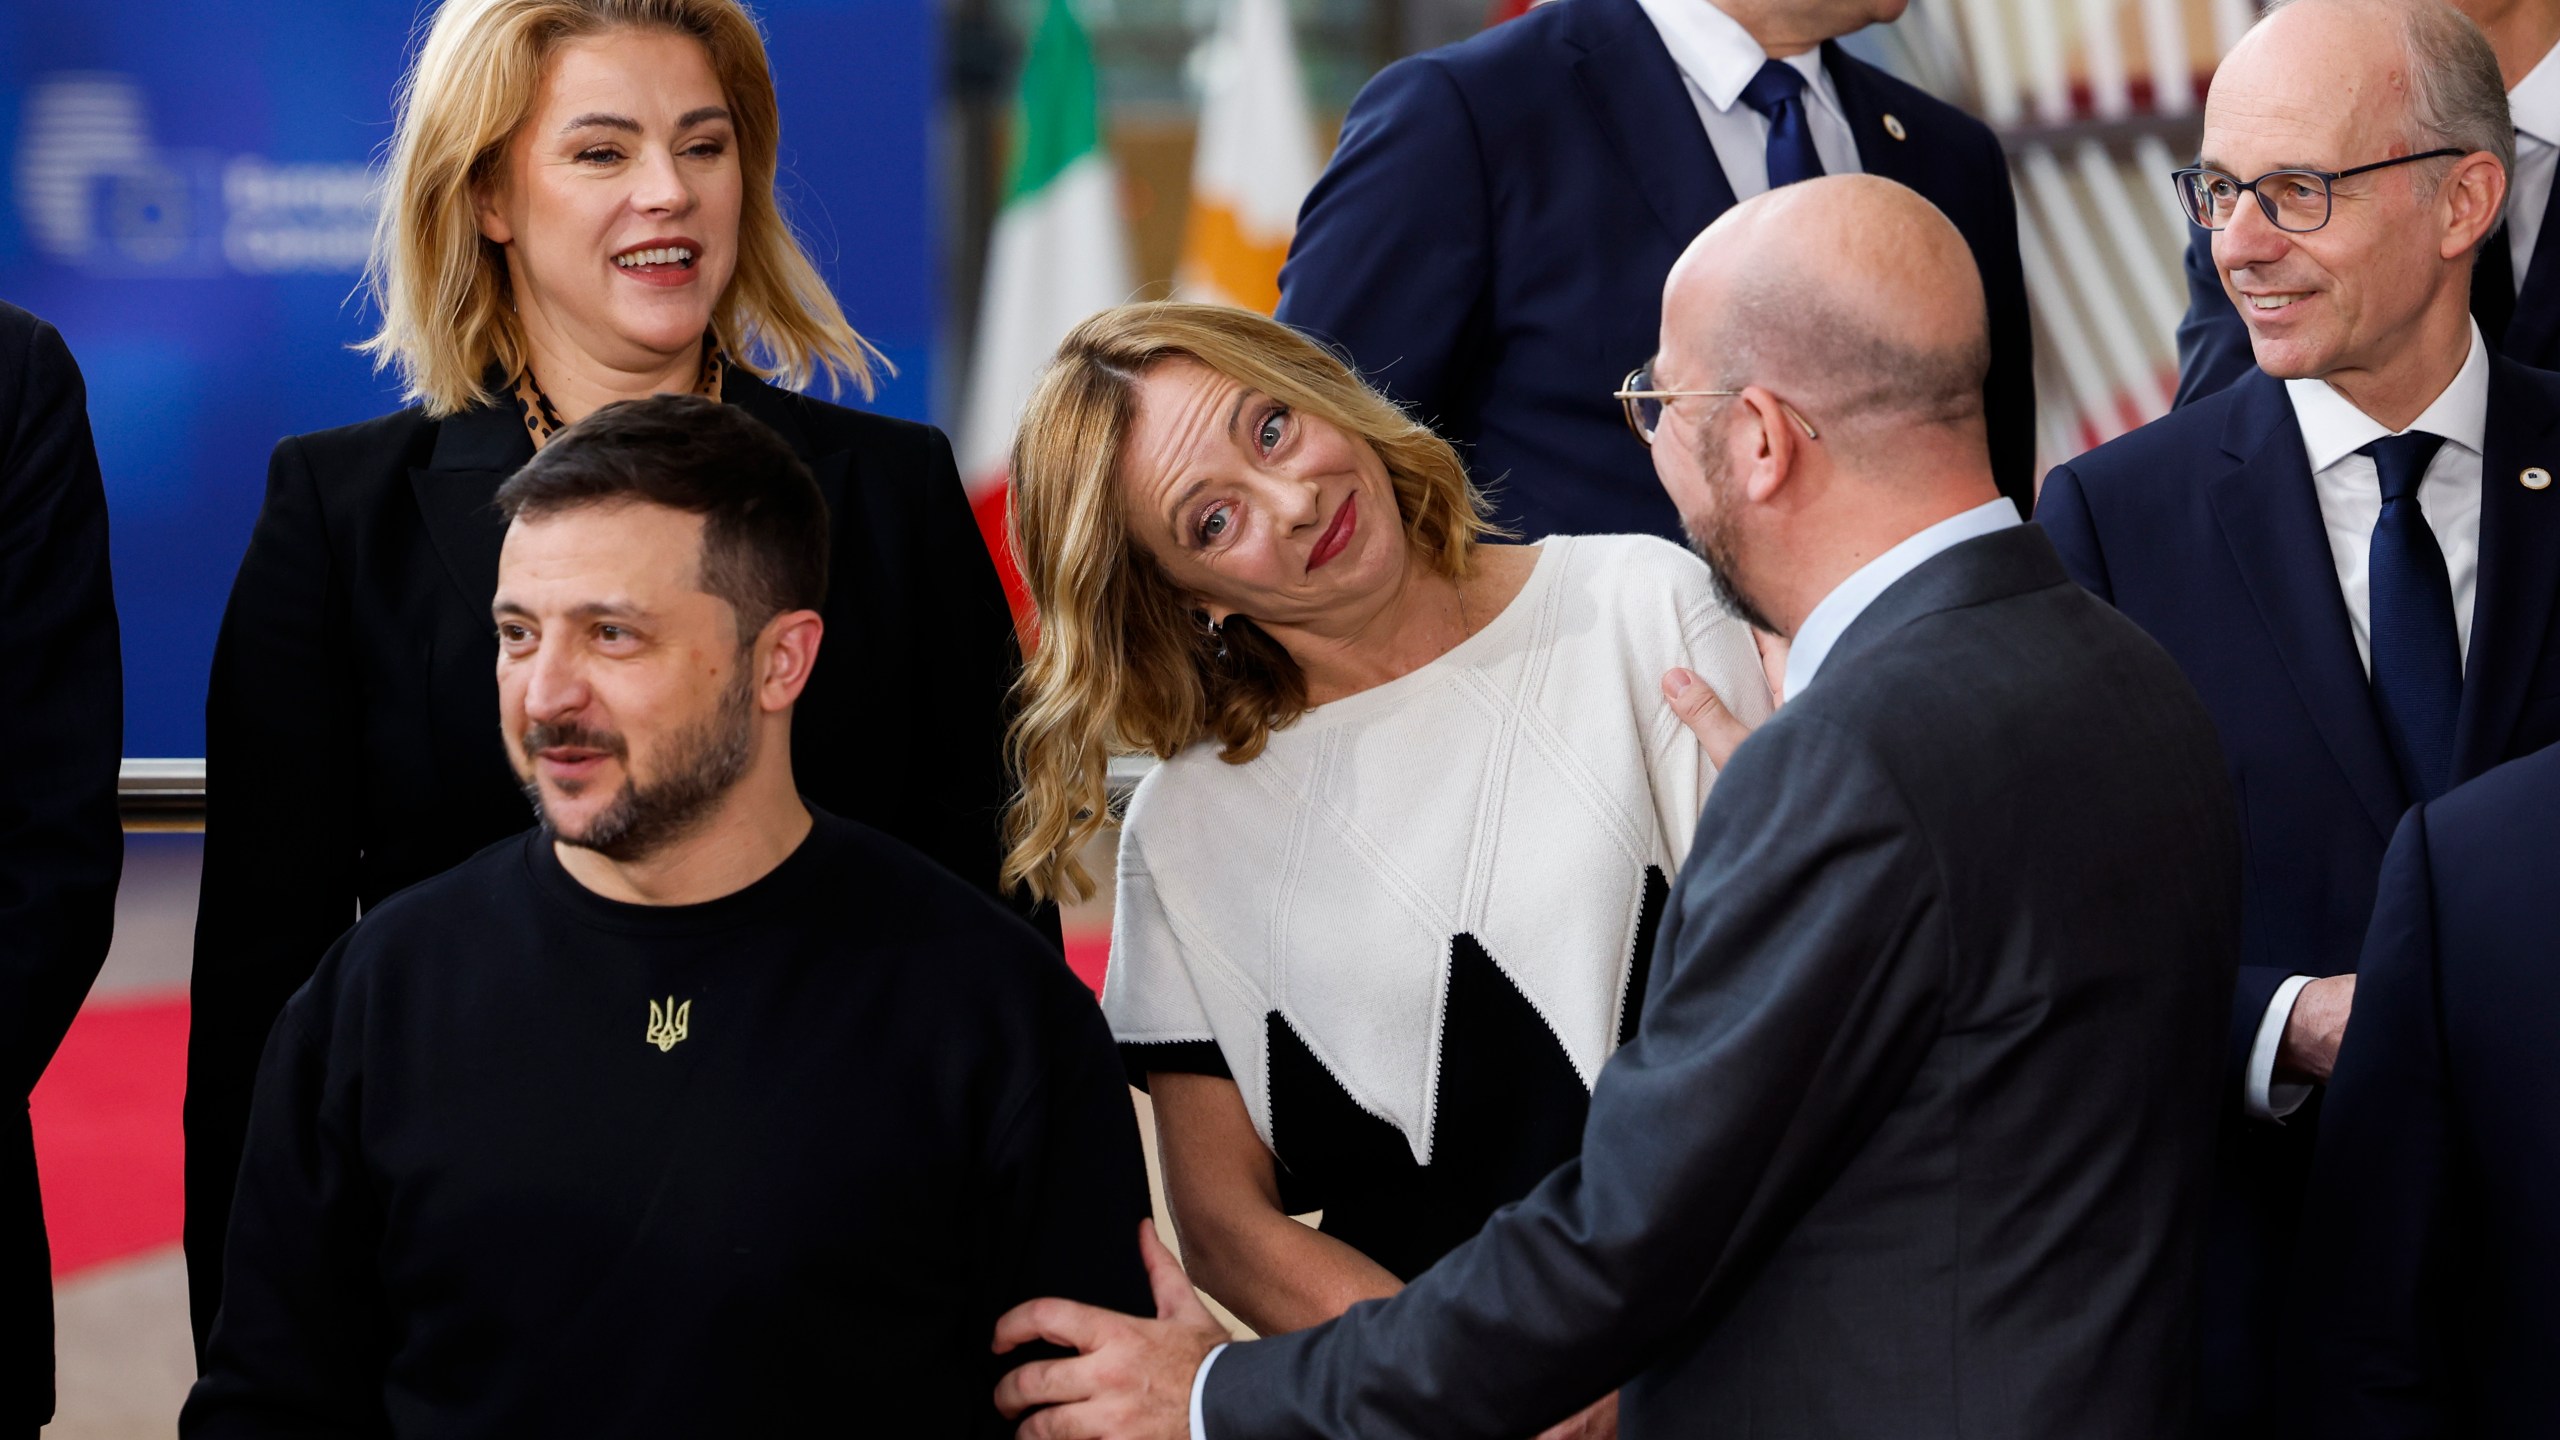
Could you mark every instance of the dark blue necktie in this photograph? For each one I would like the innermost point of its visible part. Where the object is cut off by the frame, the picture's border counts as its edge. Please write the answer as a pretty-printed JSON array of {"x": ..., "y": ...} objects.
[
  {"x": 1777, "y": 92},
  {"x": 2417, "y": 651}
]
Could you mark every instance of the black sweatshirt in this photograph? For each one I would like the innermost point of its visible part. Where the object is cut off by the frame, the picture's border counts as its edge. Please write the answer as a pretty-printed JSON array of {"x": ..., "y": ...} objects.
[{"x": 528, "y": 1161}]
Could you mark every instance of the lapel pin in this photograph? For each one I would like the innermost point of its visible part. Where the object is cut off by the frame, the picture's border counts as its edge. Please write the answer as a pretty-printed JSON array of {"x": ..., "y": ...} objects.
[
  {"x": 2536, "y": 478},
  {"x": 1893, "y": 127}
]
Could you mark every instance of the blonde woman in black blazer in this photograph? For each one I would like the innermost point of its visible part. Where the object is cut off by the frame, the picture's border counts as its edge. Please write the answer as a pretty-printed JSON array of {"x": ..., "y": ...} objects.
[{"x": 580, "y": 209}]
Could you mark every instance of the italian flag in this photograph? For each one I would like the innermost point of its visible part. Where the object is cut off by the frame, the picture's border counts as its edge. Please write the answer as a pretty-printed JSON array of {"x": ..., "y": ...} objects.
[
  {"x": 1057, "y": 254},
  {"x": 1254, "y": 164}
]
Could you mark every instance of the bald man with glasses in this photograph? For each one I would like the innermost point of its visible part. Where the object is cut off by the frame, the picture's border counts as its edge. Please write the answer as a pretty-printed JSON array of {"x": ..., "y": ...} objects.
[{"x": 2353, "y": 552}]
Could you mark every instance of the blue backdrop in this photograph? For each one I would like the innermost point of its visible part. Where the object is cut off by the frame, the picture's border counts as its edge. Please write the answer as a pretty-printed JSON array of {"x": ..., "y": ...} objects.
[{"x": 188, "y": 199}]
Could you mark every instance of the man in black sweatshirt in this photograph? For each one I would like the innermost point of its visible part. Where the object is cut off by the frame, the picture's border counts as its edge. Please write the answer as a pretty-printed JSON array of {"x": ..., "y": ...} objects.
[{"x": 693, "y": 1110}]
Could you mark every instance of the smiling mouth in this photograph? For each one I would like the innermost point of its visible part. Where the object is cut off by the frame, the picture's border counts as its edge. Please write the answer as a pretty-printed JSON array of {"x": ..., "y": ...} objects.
[
  {"x": 1337, "y": 536},
  {"x": 2264, "y": 304},
  {"x": 660, "y": 258}
]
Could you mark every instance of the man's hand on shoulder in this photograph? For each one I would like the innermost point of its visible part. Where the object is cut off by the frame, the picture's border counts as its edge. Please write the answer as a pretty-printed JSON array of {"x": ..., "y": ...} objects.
[
  {"x": 1130, "y": 1378},
  {"x": 2315, "y": 1027},
  {"x": 1699, "y": 708}
]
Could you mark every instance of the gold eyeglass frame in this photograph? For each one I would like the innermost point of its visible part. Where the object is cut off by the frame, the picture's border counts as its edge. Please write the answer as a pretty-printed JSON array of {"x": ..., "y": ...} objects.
[{"x": 1627, "y": 395}]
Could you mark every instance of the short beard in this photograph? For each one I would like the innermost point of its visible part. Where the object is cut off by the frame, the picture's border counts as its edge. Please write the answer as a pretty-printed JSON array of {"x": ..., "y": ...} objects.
[
  {"x": 1714, "y": 539},
  {"x": 703, "y": 764}
]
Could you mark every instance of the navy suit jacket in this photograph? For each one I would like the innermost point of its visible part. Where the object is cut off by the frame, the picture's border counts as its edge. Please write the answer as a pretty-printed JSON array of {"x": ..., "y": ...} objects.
[
  {"x": 2213, "y": 341},
  {"x": 2204, "y": 528},
  {"x": 1489, "y": 244},
  {"x": 2434, "y": 1308}
]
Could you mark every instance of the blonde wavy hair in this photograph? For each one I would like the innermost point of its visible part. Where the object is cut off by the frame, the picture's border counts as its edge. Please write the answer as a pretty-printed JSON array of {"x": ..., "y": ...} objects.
[
  {"x": 1122, "y": 664},
  {"x": 442, "y": 286}
]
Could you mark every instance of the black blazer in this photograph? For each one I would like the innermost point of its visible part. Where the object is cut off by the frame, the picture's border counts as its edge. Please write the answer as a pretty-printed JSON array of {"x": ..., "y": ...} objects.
[
  {"x": 2204, "y": 528},
  {"x": 61, "y": 846},
  {"x": 2431, "y": 1279},
  {"x": 352, "y": 730},
  {"x": 2523, "y": 325},
  {"x": 1913, "y": 1136},
  {"x": 1490, "y": 239}
]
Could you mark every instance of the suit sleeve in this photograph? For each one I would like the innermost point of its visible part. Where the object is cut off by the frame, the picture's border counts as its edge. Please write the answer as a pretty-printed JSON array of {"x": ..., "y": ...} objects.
[
  {"x": 299, "y": 1350},
  {"x": 968, "y": 675},
  {"x": 2009, "y": 390},
  {"x": 1805, "y": 958},
  {"x": 2378, "y": 1223},
  {"x": 62, "y": 721},
  {"x": 2063, "y": 512},
  {"x": 2213, "y": 341},
  {"x": 1392, "y": 255},
  {"x": 280, "y": 838}
]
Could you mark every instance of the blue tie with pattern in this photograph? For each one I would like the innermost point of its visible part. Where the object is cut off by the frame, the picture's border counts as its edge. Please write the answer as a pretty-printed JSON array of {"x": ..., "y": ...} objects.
[
  {"x": 1777, "y": 92},
  {"x": 2417, "y": 651}
]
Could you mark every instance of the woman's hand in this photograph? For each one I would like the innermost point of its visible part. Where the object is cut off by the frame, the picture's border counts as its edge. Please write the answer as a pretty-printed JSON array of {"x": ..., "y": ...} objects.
[
  {"x": 1600, "y": 1422},
  {"x": 1695, "y": 702}
]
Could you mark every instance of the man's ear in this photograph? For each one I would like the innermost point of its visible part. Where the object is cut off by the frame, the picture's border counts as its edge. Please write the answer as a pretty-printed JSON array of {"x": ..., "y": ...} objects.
[
  {"x": 786, "y": 651},
  {"x": 1774, "y": 457},
  {"x": 2468, "y": 202}
]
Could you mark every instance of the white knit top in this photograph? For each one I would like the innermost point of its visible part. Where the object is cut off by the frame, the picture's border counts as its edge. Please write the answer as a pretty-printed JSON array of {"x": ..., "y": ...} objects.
[{"x": 1515, "y": 790}]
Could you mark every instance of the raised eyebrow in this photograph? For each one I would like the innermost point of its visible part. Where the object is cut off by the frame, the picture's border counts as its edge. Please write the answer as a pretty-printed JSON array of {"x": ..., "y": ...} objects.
[
  {"x": 601, "y": 121},
  {"x": 1182, "y": 502}
]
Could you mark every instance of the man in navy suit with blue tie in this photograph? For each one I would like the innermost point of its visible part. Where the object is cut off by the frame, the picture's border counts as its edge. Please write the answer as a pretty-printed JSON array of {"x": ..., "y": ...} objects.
[
  {"x": 2353, "y": 552},
  {"x": 1490, "y": 239},
  {"x": 2515, "y": 285},
  {"x": 2439, "y": 1160}
]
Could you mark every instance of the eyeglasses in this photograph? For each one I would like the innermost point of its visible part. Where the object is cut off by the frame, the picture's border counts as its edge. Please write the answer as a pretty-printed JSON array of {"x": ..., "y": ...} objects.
[
  {"x": 2295, "y": 201},
  {"x": 1644, "y": 404}
]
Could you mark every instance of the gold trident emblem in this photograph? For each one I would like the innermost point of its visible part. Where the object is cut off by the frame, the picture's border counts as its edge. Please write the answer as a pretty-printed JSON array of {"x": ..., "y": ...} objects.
[{"x": 669, "y": 1026}]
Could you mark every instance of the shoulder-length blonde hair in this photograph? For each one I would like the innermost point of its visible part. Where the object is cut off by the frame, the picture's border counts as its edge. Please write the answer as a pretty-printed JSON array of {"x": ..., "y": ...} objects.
[
  {"x": 442, "y": 286},
  {"x": 1122, "y": 664}
]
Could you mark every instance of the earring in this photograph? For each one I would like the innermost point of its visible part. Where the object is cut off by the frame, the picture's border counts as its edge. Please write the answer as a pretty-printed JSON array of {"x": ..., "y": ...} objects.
[{"x": 1217, "y": 633}]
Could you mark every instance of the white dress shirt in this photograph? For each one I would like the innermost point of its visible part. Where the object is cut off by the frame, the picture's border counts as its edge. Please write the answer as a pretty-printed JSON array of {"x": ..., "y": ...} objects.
[
  {"x": 2350, "y": 495},
  {"x": 2535, "y": 105},
  {"x": 1830, "y": 618},
  {"x": 1717, "y": 58}
]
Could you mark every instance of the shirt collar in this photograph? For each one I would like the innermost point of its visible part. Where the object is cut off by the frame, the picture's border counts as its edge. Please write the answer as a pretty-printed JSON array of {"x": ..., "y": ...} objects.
[
  {"x": 2535, "y": 102},
  {"x": 2333, "y": 428},
  {"x": 1719, "y": 56},
  {"x": 1850, "y": 598}
]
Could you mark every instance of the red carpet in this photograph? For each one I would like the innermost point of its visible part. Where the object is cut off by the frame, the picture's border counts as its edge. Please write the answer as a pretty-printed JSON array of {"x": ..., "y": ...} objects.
[
  {"x": 1087, "y": 955},
  {"x": 107, "y": 1140}
]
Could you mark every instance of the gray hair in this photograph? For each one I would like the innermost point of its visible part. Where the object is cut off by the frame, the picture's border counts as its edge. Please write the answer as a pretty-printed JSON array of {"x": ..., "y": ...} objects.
[{"x": 2457, "y": 98}]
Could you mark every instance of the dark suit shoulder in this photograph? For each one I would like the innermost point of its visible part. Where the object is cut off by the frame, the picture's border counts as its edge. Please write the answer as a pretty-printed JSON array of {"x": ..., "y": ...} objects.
[
  {"x": 1910, "y": 103},
  {"x": 384, "y": 447},
  {"x": 832, "y": 427},
  {"x": 2493, "y": 811},
  {"x": 2163, "y": 455}
]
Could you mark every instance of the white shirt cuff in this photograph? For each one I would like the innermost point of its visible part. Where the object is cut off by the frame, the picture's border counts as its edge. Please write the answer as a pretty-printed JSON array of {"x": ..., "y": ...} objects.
[
  {"x": 2265, "y": 1097},
  {"x": 1200, "y": 1391}
]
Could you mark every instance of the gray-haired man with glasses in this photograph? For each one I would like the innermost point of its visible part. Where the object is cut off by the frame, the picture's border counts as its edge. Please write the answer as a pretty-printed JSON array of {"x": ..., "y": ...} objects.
[
  {"x": 2515, "y": 285},
  {"x": 2353, "y": 551}
]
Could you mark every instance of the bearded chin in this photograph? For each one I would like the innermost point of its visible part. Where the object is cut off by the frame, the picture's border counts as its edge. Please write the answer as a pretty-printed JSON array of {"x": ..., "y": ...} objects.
[
  {"x": 1713, "y": 537},
  {"x": 704, "y": 762}
]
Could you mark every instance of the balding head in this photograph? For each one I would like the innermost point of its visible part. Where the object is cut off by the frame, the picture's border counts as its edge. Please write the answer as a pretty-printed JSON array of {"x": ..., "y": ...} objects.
[
  {"x": 1847, "y": 307},
  {"x": 2376, "y": 300},
  {"x": 1850, "y": 296}
]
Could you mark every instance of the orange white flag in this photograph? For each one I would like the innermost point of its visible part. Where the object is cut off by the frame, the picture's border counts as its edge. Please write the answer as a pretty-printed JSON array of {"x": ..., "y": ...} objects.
[{"x": 1255, "y": 162}]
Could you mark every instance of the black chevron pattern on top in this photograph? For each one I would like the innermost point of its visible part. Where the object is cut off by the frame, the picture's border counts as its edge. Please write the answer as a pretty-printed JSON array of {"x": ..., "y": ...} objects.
[{"x": 1509, "y": 1109}]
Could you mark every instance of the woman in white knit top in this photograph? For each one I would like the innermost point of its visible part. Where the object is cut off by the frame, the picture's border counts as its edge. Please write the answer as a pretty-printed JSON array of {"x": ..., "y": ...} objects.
[{"x": 1386, "y": 906}]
